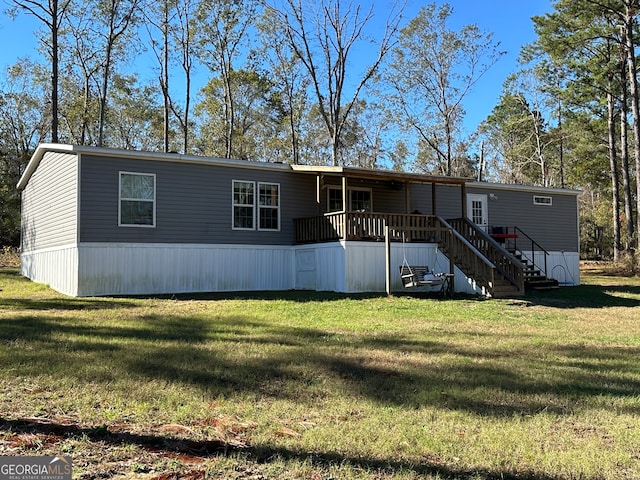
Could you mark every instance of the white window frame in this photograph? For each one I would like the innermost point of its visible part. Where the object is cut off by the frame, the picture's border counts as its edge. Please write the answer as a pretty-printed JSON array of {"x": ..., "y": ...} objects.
[
  {"x": 267, "y": 207},
  {"x": 350, "y": 190},
  {"x": 542, "y": 200},
  {"x": 121, "y": 199},
  {"x": 255, "y": 206},
  {"x": 234, "y": 205}
]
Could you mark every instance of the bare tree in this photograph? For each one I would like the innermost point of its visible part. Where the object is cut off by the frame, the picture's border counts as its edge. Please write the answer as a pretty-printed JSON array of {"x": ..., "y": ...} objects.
[
  {"x": 51, "y": 13},
  {"x": 433, "y": 70},
  {"x": 221, "y": 30},
  {"x": 325, "y": 42},
  {"x": 286, "y": 70},
  {"x": 115, "y": 16},
  {"x": 159, "y": 15}
]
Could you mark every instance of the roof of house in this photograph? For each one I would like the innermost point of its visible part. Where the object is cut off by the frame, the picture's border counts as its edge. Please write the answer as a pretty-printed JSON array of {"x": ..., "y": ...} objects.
[
  {"x": 340, "y": 171},
  {"x": 388, "y": 175}
]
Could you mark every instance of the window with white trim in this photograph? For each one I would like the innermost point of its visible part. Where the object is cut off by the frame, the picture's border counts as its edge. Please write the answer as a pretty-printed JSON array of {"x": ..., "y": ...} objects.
[
  {"x": 243, "y": 205},
  {"x": 268, "y": 206},
  {"x": 256, "y": 205},
  {"x": 137, "y": 206},
  {"x": 540, "y": 200}
]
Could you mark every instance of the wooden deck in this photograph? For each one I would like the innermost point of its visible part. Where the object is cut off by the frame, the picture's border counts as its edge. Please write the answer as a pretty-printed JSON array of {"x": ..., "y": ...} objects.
[{"x": 472, "y": 250}]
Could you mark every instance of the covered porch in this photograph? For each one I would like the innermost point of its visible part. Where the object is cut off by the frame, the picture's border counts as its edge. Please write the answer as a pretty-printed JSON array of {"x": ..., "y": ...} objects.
[
  {"x": 356, "y": 204},
  {"x": 359, "y": 205}
]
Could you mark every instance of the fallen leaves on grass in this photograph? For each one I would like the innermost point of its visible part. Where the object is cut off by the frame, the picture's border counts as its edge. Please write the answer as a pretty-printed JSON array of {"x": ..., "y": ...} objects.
[
  {"x": 288, "y": 432},
  {"x": 33, "y": 440},
  {"x": 175, "y": 428},
  {"x": 192, "y": 475}
]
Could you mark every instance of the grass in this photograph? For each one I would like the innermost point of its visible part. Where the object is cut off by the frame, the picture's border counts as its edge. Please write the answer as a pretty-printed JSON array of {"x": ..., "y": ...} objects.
[{"x": 318, "y": 386}]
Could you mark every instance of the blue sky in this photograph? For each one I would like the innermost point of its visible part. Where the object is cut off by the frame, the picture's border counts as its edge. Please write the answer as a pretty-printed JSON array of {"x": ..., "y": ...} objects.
[{"x": 509, "y": 20}]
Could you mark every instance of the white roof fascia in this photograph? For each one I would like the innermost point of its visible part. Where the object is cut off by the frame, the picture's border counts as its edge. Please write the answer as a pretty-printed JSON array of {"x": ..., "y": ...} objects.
[
  {"x": 139, "y": 155},
  {"x": 524, "y": 188}
]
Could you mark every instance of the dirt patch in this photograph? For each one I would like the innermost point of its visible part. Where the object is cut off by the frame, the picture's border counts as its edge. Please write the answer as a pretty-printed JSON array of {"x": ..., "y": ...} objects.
[{"x": 117, "y": 451}]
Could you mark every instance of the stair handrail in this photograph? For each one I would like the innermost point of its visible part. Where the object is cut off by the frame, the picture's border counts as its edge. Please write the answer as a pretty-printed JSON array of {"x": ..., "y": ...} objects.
[
  {"x": 518, "y": 231},
  {"x": 481, "y": 269},
  {"x": 496, "y": 253}
]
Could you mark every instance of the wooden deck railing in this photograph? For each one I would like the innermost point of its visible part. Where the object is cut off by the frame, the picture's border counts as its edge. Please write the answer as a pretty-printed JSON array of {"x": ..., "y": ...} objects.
[
  {"x": 465, "y": 256},
  {"x": 362, "y": 226},
  {"x": 509, "y": 266}
]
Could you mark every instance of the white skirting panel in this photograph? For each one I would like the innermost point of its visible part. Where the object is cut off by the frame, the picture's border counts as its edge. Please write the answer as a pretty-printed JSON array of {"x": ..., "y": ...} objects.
[
  {"x": 562, "y": 266},
  {"x": 366, "y": 266},
  {"x": 126, "y": 269},
  {"x": 348, "y": 267},
  {"x": 56, "y": 267}
]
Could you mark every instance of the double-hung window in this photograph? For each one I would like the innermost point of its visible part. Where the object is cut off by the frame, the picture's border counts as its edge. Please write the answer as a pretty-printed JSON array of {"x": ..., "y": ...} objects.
[
  {"x": 243, "y": 205},
  {"x": 269, "y": 206},
  {"x": 256, "y": 206},
  {"x": 137, "y": 206}
]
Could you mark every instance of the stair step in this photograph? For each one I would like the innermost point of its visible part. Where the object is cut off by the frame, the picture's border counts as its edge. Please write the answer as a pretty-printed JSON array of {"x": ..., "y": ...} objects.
[
  {"x": 546, "y": 289},
  {"x": 543, "y": 284}
]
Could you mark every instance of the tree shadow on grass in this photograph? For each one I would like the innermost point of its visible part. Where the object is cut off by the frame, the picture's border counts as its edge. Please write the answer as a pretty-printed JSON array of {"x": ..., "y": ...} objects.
[
  {"x": 241, "y": 355},
  {"x": 258, "y": 453},
  {"x": 587, "y": 296}
]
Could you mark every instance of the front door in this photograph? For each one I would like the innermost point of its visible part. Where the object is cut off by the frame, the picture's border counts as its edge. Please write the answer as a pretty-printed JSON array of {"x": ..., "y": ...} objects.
[{"x": 477, "y": 210}]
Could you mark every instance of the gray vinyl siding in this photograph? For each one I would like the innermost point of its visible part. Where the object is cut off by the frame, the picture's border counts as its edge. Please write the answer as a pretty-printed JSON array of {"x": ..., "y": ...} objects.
[
  {"x": 555, "y": 226},
  {"x": 387, "y": 197},
  {"x": 193, "y": 202},
  {"x": 49, "y": 203},
  {"x": 448, "y": 200}
]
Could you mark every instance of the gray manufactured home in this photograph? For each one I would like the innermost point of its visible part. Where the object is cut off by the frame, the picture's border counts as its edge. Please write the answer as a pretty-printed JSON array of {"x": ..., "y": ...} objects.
[{"x": 114, "y": 222}]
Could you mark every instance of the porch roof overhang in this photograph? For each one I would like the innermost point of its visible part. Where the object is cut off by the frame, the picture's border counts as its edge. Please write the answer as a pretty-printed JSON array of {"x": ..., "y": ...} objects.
[{"x": 387, "y": 175}]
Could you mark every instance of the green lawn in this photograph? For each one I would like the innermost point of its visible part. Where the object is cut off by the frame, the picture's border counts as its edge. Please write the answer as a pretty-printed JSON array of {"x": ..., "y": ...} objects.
[{"x": 318, "y": 386}]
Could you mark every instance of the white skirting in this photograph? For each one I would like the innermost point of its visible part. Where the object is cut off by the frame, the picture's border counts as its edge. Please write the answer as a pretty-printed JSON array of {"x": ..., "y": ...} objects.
[
  {"x": 562, "y": 266},
  {"x": 92, "y": 269}
]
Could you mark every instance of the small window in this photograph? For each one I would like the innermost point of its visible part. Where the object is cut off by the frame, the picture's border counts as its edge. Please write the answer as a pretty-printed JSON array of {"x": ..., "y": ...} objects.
[
  {"x": 269, "y": 206},
  {"x": 538, "y": 200},
  {"x": 137, "y": 199},
  {"x": 243, "y": 205}
]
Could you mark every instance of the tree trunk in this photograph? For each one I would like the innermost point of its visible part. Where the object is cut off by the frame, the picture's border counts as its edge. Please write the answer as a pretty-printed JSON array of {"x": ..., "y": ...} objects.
[
  {"x": 624, "y": 157},
  {"x": 54, "y": 70},
  {"x": 615, "y": 185},
  {"x": 165, "y": 73},
  {"x": 629, "y": 23},
  {"x": 229, "y": 114}
]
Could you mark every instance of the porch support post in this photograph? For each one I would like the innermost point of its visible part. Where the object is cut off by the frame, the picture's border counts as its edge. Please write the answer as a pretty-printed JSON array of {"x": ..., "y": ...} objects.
[
  {"x": 407, "y": 197},
  {"x": 434, "y": 210},
  {"x": 387, "y": 260},
  {"x": 452, "y": 264},
  {"x": 463, "y": 191},
  {"x": 345, "y": 220},
  {"x": 319, "y": 193},
  {"x": 344, "y": 194}
]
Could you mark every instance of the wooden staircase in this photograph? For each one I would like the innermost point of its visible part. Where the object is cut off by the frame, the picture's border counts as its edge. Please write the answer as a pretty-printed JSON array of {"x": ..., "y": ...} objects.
[
  {"x": 494, "y": 269},
  {"x": 511, "y": 272},
  {"x": 534, "y": 279}
]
